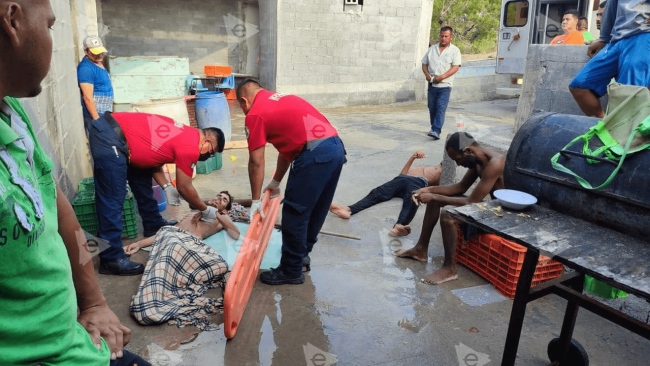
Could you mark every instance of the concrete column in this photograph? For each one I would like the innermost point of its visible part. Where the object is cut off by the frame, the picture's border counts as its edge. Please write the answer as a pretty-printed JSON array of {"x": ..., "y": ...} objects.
[
  {"x": 424, "y": 32},
  {"x": 269, "y": 57},
  {"x": 83, "y": 17}
]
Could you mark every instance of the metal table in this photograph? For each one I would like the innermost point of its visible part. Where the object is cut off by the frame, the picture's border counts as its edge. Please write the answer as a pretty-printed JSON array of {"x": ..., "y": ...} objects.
[{"x": 606, "y": 255}]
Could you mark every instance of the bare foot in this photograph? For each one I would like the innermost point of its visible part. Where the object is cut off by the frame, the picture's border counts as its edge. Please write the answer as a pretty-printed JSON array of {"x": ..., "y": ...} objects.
[
  {"x": 440, "y": 276},
  {"x": 400, "y": 230},
  {"x": 340, "y": 211},
  {"x": 419, "y": 254}
]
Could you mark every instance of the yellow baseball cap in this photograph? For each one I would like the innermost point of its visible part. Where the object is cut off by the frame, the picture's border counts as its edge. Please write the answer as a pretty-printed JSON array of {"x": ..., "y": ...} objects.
[{"x": 94, "y": 44}]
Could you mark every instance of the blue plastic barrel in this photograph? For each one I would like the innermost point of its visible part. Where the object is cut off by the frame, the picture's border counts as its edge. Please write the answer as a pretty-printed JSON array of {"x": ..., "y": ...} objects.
[{"x": 212, "y": 111}]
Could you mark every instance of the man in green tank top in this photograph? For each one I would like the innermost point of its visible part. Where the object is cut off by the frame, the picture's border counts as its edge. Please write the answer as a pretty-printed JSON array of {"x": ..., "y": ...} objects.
[{"x": 46, "y": 271}]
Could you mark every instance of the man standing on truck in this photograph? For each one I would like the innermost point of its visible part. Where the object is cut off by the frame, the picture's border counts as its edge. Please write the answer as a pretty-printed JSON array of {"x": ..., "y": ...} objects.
[{"x": 620, "y": 52}]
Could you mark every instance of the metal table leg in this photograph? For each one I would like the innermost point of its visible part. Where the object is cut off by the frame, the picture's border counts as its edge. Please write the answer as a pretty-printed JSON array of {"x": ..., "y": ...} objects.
[
  {"x": 519, "y": 307},
  {"x": 570, "y": 316}
]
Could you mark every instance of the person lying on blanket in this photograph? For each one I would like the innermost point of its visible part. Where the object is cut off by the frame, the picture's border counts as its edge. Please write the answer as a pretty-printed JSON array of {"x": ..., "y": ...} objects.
[{"x": 201, "y": 228}]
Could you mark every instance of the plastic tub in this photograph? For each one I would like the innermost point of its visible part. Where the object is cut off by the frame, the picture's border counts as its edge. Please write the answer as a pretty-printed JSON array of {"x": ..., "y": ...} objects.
[{"x": 174, "y": 108}]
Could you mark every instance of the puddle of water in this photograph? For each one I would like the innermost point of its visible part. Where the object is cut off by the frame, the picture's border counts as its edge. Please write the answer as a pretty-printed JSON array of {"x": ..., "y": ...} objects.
[
  {"x": 277, "y": 299},
  {"x": 391, "y": 244},
  {"x": 267, "y": 345},
  {"x": 479, "y": 295}
]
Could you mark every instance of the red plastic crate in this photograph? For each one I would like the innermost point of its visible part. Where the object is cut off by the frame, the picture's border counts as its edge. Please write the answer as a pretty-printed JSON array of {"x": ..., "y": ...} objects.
[
  {"x": 217, "y": 71},
  {"x": 499, "y": 261}
]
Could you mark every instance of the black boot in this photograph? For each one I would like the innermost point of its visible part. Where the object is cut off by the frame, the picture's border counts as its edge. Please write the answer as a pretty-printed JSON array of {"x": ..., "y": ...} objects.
[
  {"x": 153, "y": 231},
  {"x": 121, "y": 267},
  {"x": 306, "y": 261},
  {"x": 276, "y": 276}
]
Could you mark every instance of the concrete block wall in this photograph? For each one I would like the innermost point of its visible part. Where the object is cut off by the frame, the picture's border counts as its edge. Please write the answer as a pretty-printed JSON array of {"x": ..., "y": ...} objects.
[
  {"x": 190, "y": 28},
  {"x": 549, "y": 71},
  {"x": 354, "y": 55},
  {"x": 478, "y": 81},
  {"x": 56, "y": 112}
]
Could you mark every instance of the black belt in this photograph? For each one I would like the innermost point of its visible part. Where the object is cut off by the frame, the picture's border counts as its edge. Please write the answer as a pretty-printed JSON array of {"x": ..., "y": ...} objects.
[{"x": 119, "y": 133}]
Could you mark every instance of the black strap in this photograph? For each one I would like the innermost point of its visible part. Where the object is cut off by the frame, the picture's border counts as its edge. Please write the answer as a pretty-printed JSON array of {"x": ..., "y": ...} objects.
[{"x": 118, "y": 132}]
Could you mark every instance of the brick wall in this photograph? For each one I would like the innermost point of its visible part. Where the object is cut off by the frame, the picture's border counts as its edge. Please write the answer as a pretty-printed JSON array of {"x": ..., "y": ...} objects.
[
  {"x": 56, "y": 112},
  {"x": 358, "y": 55},
  {"x": 190, "y": 28}
]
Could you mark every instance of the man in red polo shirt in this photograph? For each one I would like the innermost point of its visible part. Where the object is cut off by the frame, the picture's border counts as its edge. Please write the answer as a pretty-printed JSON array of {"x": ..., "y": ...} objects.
[
  {"x": 309, "y": 144},
  {"x": 133, "y": 147}
]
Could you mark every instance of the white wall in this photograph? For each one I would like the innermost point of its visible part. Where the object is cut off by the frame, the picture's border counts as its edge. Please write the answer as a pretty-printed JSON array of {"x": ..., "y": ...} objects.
[
  {"x": 56, "y": 112},
  {"x": 333, "y": 56}
]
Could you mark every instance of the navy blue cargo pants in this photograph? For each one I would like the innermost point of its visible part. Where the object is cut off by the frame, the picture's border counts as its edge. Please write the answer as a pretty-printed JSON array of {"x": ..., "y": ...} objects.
[
  {"x": 111, "y": 172},
  {"x": 312, "y": 182}
]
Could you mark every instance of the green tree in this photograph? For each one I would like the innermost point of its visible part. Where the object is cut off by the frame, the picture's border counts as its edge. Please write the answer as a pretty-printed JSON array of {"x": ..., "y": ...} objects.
[{"x": 475, "y": 23}]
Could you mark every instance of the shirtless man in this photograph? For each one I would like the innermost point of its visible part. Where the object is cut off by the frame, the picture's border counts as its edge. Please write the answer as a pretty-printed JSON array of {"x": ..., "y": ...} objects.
[
  {"x": 484, "y": 164},
  {"x": 202, "y": 229},
  {"x": 403, "y": 186}
]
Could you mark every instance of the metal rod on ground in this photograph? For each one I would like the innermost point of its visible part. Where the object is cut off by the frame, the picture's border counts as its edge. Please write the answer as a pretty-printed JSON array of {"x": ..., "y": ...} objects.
[{"x": 279, "y": 226}]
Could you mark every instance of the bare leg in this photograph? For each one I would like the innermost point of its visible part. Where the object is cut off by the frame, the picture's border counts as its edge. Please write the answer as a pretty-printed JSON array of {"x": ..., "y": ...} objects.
[
  {"x": 340, "y": 211},
  {"x": 588, "y": 102},
  {"x": 420, "y": 250},
  {"x": 400, "y": 230},
  {"x": 449, "y": 240}
]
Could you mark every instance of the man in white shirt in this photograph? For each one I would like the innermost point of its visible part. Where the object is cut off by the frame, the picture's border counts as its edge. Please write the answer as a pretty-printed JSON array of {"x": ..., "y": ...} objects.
[{"x": 439, "y": 65}]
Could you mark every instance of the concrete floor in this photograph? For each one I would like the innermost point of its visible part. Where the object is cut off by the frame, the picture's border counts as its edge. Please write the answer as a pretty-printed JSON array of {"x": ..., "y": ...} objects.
[{"x": 359, "y": 302}]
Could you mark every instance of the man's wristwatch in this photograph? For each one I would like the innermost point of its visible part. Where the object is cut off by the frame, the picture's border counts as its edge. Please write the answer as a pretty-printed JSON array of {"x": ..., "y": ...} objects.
[{"x": 164, "y": 186}]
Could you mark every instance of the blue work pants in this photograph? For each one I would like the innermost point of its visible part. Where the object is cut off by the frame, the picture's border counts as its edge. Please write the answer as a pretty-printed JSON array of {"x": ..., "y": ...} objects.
[
  {"x": 312, "y": 182},
  {"x": 112, "y": 172},
  {"x": 402, "y": 187},
  {"x": 438, "y": 99}
]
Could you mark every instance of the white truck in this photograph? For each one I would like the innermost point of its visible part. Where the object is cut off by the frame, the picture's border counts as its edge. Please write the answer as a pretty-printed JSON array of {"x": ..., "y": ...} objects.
[{"x": 525, "y": 22}]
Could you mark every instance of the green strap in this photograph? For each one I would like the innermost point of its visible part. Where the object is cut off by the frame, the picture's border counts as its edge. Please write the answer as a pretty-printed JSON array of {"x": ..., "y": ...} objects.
[{"x": 583, "y": 182}]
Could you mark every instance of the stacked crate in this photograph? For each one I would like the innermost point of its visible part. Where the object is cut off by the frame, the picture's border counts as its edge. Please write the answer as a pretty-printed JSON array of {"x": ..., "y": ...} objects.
[
  {"x": 499, "y": 261},
  {"x": 84, "y": 209},
  {"x": 225, "y": 79}
]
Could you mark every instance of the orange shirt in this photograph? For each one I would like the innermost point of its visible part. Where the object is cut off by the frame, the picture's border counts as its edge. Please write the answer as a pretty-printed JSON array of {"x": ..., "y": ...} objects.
[{"x": 571, "y": 38}]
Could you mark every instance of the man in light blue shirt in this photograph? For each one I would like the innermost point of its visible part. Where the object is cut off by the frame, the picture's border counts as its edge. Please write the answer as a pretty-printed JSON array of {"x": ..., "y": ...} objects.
[
  {"x": 621, "y": 52},
  {"x": 439, "y": 65}
]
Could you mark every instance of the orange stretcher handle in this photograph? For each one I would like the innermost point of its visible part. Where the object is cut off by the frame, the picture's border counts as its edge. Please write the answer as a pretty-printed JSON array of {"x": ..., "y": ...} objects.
[{"x": 247, "y": 265}]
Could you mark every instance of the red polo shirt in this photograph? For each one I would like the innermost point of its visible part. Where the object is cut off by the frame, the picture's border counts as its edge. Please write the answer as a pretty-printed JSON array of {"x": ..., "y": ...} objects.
[
  {"x": 286, "y": 121},
  {"x": 155, "y": 140}
]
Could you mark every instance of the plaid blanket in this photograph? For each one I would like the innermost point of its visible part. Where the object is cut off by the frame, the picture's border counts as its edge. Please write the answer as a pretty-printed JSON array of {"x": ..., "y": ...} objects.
[{"x": 180, "y": 270}]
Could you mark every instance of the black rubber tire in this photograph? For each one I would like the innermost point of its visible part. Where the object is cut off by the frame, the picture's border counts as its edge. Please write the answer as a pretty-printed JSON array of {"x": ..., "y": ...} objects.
[{"x": 577, "y": 355}]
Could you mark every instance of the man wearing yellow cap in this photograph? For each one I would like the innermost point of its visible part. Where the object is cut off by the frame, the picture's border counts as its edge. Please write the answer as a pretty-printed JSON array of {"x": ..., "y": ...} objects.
[{"x": 94, "y": 81}]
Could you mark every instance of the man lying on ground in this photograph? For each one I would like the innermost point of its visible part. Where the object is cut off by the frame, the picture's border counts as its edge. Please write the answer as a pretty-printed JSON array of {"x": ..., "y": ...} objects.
[
  {"x": 483, "y": 163},
  {"x": 202, "y": 229},
  {"x": 402, "y": 186}
]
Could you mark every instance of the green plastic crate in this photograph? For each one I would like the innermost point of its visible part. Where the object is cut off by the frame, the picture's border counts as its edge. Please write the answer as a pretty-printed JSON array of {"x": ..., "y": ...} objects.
[
  {"x": 86, "y": 184},
  {"x": 84, "y": 208},
  {"x": 210, "y": 165},
  {"x": 599, "y": 288},
  {"x": 84, "y": 203}
]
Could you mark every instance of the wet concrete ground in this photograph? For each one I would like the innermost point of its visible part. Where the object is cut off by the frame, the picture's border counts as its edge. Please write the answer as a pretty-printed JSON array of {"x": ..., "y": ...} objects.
[{"x": 359, "y": 302}]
